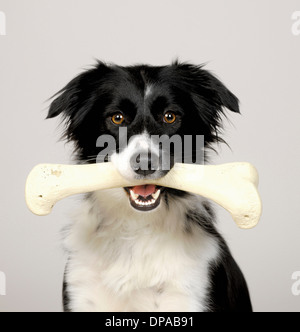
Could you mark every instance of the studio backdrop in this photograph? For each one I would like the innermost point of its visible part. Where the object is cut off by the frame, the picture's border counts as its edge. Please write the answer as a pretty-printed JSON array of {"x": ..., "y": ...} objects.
[{"x": 253, "y": 46}]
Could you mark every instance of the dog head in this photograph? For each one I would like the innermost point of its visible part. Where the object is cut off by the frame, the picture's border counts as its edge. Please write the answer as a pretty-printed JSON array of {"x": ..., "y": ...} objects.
[{"x": 134, "y": 104}]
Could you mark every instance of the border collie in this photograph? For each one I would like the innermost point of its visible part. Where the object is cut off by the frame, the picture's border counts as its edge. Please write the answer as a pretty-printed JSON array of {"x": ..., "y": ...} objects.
[{"x": 146, "y": 248}]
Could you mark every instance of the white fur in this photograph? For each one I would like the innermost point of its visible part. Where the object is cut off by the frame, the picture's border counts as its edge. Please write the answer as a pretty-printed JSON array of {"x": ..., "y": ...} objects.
[
  {"x": 125, "y": 260},
  {"x": 136, "y": 143},
  {"x": 148, "y": 91}
]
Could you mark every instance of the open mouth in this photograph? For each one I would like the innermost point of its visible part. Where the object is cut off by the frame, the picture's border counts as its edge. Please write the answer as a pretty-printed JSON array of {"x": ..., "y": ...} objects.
[{"x": 144, "y": 198}]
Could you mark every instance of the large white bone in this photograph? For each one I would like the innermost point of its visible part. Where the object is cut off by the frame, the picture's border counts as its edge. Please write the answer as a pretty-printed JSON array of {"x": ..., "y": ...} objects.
[{"x": 233, "y": 186}]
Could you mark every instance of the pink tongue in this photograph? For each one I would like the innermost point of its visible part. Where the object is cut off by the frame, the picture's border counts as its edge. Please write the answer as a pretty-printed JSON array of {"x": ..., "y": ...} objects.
[{"x": 144, "y": 191}]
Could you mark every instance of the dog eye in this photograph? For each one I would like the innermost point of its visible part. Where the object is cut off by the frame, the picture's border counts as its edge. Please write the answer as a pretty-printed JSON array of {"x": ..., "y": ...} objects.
[
  {"x": 169, "y": 117},
  {"x": 118, "y": 119}
]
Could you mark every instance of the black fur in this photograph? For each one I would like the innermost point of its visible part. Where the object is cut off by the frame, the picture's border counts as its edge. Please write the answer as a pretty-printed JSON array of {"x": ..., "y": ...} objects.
[
  {"x": 89, "y": 100},
  {"x": 229, "y": 291}
]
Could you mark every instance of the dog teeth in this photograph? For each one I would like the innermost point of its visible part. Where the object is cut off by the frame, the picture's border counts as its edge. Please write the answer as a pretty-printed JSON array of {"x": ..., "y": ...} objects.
[
  {"x": 133, "y": 195},
  {"x": 141, "y": 203},
  {"x": 156, "y": 195},
  {"x": 138, "y": 201}
]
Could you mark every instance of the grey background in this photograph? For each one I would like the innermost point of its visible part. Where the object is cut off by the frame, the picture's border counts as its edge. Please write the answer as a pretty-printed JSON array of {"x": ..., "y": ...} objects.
[{"x": 248, "y": 44}]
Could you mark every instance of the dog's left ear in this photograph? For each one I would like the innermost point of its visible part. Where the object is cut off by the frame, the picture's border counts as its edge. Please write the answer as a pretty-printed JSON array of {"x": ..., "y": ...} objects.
[
  {"x": 207, "y": 90},
  {"x": 222, "y": 96}
]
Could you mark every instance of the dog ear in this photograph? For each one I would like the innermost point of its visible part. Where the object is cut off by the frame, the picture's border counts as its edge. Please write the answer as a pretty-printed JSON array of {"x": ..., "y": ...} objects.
[
  {"x": 66, "y": 99},
  {"x": 207, "y": 89},
  {"x": 222, "y": 96},
  {"x": 210, "y": 98},
  {"x": 75, "y": 99}
]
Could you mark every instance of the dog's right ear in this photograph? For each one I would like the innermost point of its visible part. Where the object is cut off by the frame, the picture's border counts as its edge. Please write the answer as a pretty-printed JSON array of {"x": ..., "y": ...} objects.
[
  {"x": 75, "y": 99},
  {"x": 66, "y": 99}
]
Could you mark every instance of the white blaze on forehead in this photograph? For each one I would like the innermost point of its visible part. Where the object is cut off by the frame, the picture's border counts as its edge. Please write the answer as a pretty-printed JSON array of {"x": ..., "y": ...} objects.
[{"x": 148, "y": 91}]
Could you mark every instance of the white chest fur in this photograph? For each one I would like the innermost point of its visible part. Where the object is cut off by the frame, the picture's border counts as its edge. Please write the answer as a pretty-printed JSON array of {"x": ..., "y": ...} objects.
[{"x": 124, "y": 261}]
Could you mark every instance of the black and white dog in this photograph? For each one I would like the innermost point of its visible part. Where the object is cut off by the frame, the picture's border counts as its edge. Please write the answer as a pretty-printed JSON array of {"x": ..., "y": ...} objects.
[{"x": 146, "y": 248}]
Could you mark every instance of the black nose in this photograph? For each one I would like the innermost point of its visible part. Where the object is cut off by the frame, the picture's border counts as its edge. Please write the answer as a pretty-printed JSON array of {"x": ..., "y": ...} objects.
[{"x": 144, "y": 164}]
